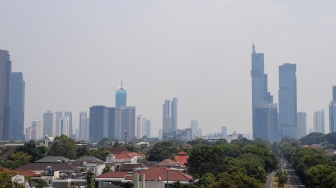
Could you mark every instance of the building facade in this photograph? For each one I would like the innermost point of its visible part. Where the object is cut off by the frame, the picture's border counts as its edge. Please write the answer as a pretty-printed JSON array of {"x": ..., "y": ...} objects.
[
  {"x": 319, "y": 122},
  {"x": 264, "y": 112},
  {"x": 5, "y": 76},
  {"x": 170, "y": 116},
  {"x": 301, "y": 124},
  {"x": 148, "y": 128},
  {"x": 125, "y": 123},
  {"x": 141, "y": 126},
  {"x": 194, "y": 128},
  {"x": 98, "y": 123},
  {"x": 17, "y": 101},
  {"x": 36, "y": 130},
  {"x": 48, "y": 124},
  {"x": 121, "y": 96},
  {"x": 83, "y": 126},
  {"x": 332, "y": 111},
  {"x": 287, "y": 100}
]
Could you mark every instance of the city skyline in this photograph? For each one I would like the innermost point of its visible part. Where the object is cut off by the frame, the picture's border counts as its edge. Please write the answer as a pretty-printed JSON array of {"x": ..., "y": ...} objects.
[{"x": 195, "y": 51}]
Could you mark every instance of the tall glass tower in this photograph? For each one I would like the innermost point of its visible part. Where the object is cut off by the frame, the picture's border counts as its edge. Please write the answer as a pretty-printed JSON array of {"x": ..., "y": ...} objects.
[
  {"x": 287, "y": 100},
  {"x": 5, "y": 74},
  {"x": 264, "y": 112},
  {"x": 121, "y": 96},
  {"x": 332, "y": 112},
  {"x": 17, "y": 106}
]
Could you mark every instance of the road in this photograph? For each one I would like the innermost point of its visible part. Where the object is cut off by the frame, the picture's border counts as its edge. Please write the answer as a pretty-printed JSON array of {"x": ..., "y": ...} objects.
[{"x": 268, "y": 183}]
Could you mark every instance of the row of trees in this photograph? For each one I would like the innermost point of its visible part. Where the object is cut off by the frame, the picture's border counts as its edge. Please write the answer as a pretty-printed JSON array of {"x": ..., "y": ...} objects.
[
  {"x": 240, "y": 164},
  {"x": 315, "y": 167}
]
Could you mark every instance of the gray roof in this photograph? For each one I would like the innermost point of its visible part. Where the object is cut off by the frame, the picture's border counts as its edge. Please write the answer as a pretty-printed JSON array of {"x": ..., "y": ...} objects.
[
  {"x": 88, "y": 159},
  {"x": 53, "y": 159},
  {"x": 42, "y": 167}
]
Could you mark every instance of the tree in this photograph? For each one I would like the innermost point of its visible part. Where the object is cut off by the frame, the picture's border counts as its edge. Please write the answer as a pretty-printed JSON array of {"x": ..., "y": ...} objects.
[
  {"x": 162, "y": 150},
  {"x": 63, "y": 146},
  {"x": 90, "y": 179},
  {"x": 82, "y": 151},
  {"x": 31, "y": 149},
  {"x": 6, "y": 180},
  {"x": 106, "y": 169},
  {"x": 317, "y": 175},
  {"x": 17, "y": 159}
]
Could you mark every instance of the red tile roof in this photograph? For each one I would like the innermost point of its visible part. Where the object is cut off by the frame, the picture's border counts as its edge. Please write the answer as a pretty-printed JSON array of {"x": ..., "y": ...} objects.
[
  {"x": 128, "y": 155},
  {"x": 182, "y": 158},
  {"x": 26, "y": 173},
  {"x": 159, "y": 173},
  {"x": 112, "y": 175},
  {"x": 167, "y": 162}
]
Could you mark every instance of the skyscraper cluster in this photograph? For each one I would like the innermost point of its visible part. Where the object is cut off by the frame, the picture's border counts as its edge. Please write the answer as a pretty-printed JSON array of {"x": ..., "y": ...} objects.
[
  {"x": 12, "y": 97},
  {"x": 267, "y": 123}
]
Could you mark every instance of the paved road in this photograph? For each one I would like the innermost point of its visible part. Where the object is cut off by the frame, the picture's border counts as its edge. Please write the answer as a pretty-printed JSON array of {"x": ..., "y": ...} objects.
[{"x": 268, "y": 183}]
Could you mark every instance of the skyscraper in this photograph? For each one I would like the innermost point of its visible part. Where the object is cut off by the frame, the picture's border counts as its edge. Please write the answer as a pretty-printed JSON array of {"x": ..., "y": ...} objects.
[
  {"x": 194, "y": 128},
  {"x": 319, "y": 122},
  {"x": 48, "y": 124},
  {"x": 263, "y": 109},
  {"x": 124, "y": 123},
  {"x": 301, "y": 124},
  {"x": 71, "y": 133},
  {"x": 98, "y": 122},
  {"x": 170, "y": 116},
  {"x": 141, "y": 126},
  {"x": 5, "y": 74},
  {"x": 111, "y": 122},
  {"x": 83, "y": 126},
  {"x": 148, "y": 128},
  {"x": 36, "y": 130},
  {"x": 224, "y": 131},
  {"x": 332, "y": 112},
  {"x": 121, "y": 96},
  {"x": 17, "y": 100},
  {"x": 287, "y": 100}
]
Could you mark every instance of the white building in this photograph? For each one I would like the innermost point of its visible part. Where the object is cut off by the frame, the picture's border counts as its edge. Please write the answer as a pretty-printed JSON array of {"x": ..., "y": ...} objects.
[
  {"x": 83, "y": 126},
  {"x": 36, "y": 130},
  {"x": 301, "y": 124},
  {"x": 62, "y": 126},
  {"x": 28, "y": 133},
  {"x": 141, "y": 126},
  {"x": 319, "y": 122}
]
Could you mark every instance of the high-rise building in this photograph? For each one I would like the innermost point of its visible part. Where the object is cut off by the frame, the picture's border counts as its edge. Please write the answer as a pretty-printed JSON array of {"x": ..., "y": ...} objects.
[
  {"x": 224, "y": 131},
  {"x": 98, "y": 122},
  {"x": 301, "y": 124},
  {"x": 332, "y": 112},
  {"x": 264, "y": 112},
  {"x": 58, "y": 115},
  {"x": 287, "y": 100},
  {"x": 194, "y": 128},
  {"x": 83, "y": 126},
  {"x": 141, "y": 126},
  {"x": 5, "y": 75},
  {"x": 48, "y": 124},
  {"x": 36, "y": 130},
  {"x": 63, "y": 126},
  {"x": 148, "y": 128},
  {"x": 71, "y": 133},
  {"x": 319, "y": 122},
  {"x": 17, "y": 100},
  {"x": 170, "y": 116},
  {"x": 111, "y": 122},
  {"x": 124, "y": 123},
  {"x": 28, "y": 133},
  {"x": 121, "y": 96}
]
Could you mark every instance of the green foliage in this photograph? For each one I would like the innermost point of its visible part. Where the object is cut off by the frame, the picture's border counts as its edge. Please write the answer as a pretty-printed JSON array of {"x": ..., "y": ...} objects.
[
  {"x": 63, "y": 146},
  {"x": 17, "y": 159},
  {"x": 282, "y": 177},
  {"x": 312, "y": 138},
  {"x": 106, "y": 169},
  {"x": 162, "y": 150},
  {"x": 90, "y": 179},
  {"x": 6, "y": 181},
  {"x": 318, "y": 175},
  {"x": 31, "y": 149},
  {"x": 82, "y": 151},
  {"x": 100, "y": 153}
]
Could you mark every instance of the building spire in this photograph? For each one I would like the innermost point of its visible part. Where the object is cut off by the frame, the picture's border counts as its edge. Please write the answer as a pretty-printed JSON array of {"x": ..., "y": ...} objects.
[
  {"x": 121, "y": 85},
  {"x": 253, "y": 48}
]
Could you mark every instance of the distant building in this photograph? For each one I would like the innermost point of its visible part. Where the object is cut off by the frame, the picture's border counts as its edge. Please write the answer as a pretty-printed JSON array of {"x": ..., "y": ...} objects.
[
  {"x": 70, "y": 133},
  {"x": 170, "y": 116},
  {"x": 287, "y": 100},
  {"x": 58, "y": 115},
  {"x": 332, "y": 112},
  {"x": 301, "y": 124},
  {"x": 224, "y": 131},
  {"x": 194, "y": 128},
  {"x": 83, "y": 126},
  {"x": 121, "y": 96},
  {"x": 17, "y": 101},
  {"x": 28, "y": 133},
  {"x": 125, "y": 123},
  {"x": 148, "y": 128},
  {"x": 98, "y": 122},
  {"x": 319, "y": 122},
  {"x": 264, "y": 112},
  {"x": 48, "y": 124},
  {"x": 36, "y": 130},
  {"x": 5, "y": 74},
  {"x": 63, "y": 126},
  {"x": 141, "y": 126}
]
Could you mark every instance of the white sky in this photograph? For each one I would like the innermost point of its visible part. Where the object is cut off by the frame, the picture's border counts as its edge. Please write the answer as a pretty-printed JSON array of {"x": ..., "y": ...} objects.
[{"x": 74, "y": 53}]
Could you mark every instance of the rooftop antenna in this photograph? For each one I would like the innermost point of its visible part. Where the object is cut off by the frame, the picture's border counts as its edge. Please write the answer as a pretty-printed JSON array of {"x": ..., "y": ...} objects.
[{"x": 253, "y": 48}]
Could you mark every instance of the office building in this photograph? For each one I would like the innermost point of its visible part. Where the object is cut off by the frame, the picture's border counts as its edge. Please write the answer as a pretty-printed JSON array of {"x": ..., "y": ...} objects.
[
  {"x": 264, "y": 112},
  {"x": 63, "y": 126},
  {"x": 71, "y": 133},
  {"x": 98, "y": 123},
  {"x": 28, "y": 133},
  {"x": 148, "y": 128},
  {"x": 111, "y": 122},
  {"x": 48, "y": 124},
  {"x": 36, "y": 130},
  {"x": 141, "y": 126},
  {"x": 287, "y": 100},
  {"x": 332, "y": 112},
  {"x": 170, "y": 116},
  {"x": 125, "y": 123},
  {"x": 83, "y": 126},
  {"x": 319, "y": 122},
  {"x": 121, "y": 96},
  {"x": 194, "y": 128},
  {"x": 301, "y": 124},
  {"x": 17, "y": 101},
  {"x": 5, "y": 75},
  {"x": 224, "y": 131},
  {"x": 58, "y": 115}
]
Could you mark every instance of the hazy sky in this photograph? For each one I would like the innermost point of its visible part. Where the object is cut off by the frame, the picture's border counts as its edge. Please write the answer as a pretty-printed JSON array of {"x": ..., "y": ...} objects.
[{"x": 74, "y": 53}]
